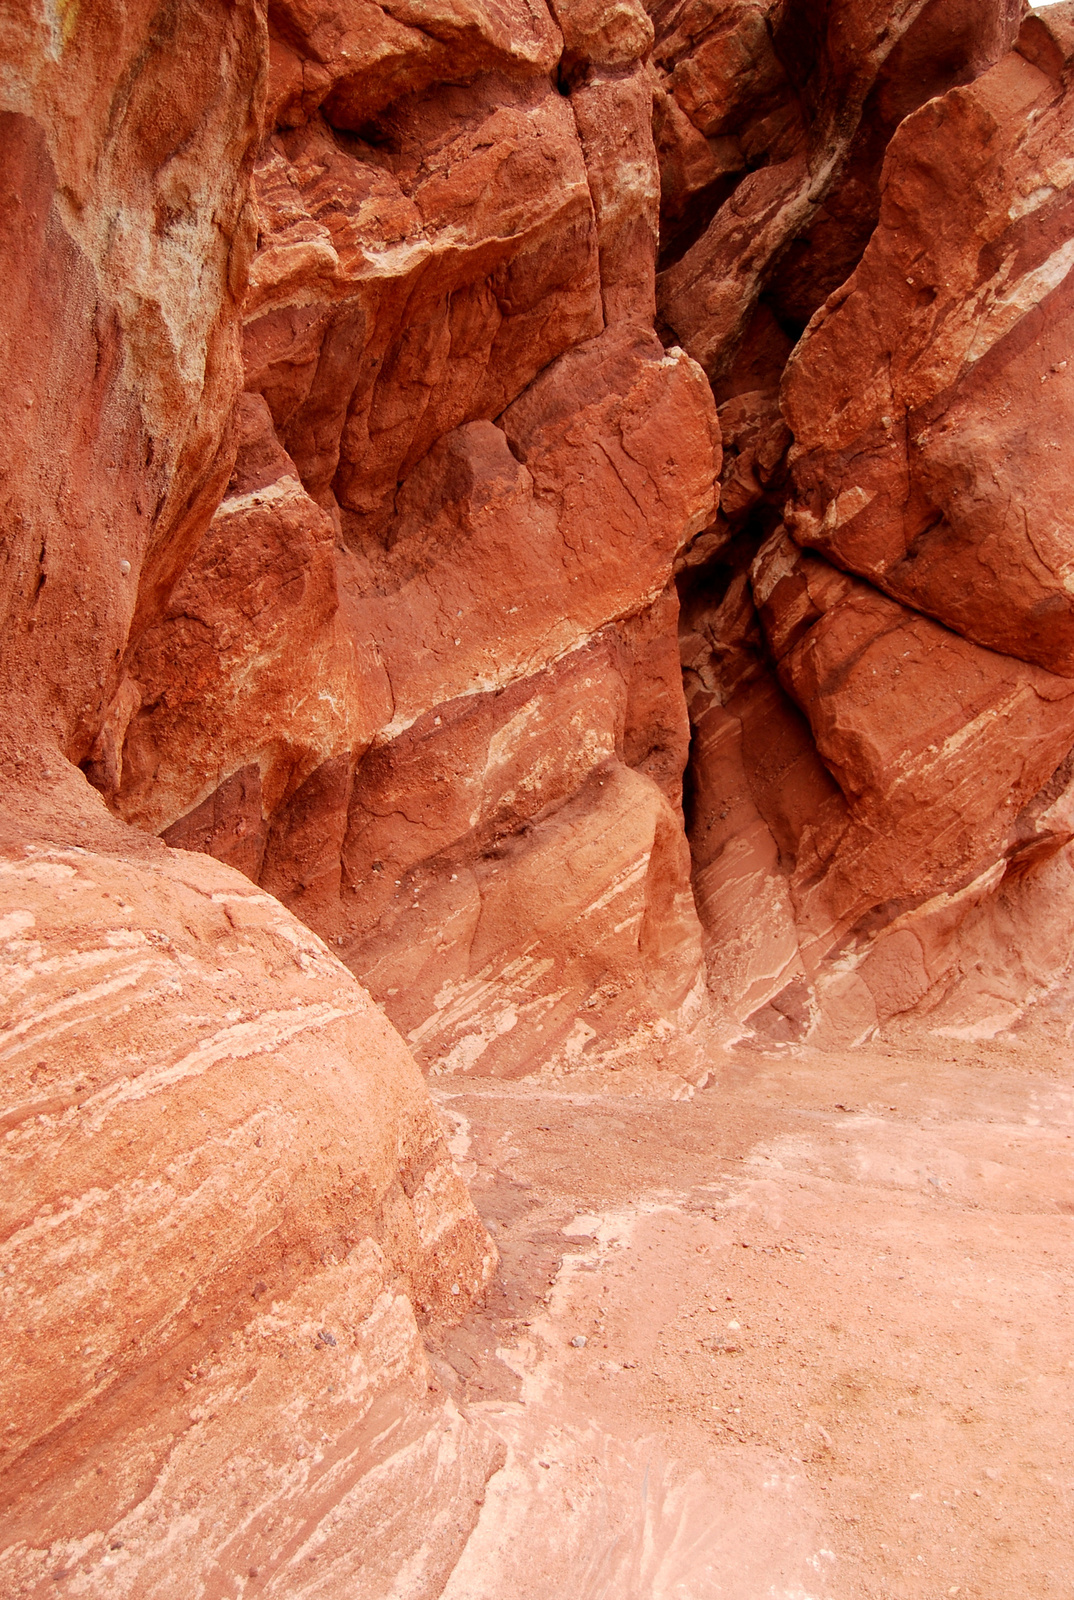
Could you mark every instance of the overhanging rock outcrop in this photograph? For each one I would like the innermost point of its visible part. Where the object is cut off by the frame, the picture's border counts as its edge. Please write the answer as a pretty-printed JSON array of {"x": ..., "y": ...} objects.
[
  {"x": 875, "y": 631},
  {"x": 420, "y": 678}
]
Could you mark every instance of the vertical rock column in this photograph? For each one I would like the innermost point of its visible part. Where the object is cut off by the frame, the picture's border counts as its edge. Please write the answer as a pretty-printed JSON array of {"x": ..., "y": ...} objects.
[{"x": 880, "y": 678}]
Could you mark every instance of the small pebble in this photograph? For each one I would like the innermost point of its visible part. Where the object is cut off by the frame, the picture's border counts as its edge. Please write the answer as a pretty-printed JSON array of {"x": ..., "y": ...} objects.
[
  {"x": 578, "y": 1341},
  {"x": 124, "y": 567}
]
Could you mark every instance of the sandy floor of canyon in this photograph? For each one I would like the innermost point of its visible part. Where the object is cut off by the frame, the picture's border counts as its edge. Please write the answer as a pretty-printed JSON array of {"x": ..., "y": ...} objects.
[{"x": 825, "y": 1305}]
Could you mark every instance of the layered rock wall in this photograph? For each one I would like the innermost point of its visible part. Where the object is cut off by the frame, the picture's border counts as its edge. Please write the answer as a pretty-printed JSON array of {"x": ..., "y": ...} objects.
[
  {"x": 425, "y": 640},
  {"x": 435, "y": 434},
  {"x": 227, "y": 1209},
  {"x": 420, "y": 678},
  {"x": 422, "y": 658},
  {"x": 874, "y": 630},
  {"x": 229, "y": 1212}
]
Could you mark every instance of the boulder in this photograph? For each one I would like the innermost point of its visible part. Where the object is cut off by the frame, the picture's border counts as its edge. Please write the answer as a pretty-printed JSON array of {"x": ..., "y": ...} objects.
[{"x": 229, "y": 1214}]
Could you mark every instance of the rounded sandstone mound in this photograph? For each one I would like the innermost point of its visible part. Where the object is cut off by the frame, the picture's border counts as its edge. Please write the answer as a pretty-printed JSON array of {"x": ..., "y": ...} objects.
[{"x": 225, "y": 1197}]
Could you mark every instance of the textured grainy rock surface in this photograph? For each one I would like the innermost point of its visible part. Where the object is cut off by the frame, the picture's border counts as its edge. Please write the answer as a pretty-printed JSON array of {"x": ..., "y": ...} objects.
[
  {"x": 229, "y": 1211},
  {"x": 125, "y": 236},
  {"x": 949, "y": 346},
  {"x": 419, "y": 679},
  {"x": 873, "y": 630},
  {"x": 782, "y": 113},
  {"x": 569, "y": 506},
  {"x": 226, "y": 1198}
]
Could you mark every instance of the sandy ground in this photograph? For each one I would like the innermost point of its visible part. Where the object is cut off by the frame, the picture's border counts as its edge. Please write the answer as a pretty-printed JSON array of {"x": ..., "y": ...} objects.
[{"x": 826, "y": 1312}]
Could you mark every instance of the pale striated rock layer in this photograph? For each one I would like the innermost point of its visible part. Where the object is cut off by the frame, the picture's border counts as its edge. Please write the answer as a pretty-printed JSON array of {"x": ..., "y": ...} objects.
[
  {"x": 226, "y": 1199},
  {"x": 432, "y": 434}
]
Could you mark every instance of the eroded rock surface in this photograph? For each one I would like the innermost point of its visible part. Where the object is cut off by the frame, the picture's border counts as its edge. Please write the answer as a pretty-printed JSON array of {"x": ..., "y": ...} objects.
[
  {"x": 774, "y": 125},
  {"x": 228, "y": 1204},
  {"x": 229, "y": 1210},
  {"x": 569, "y": 506},
  {"x": 421, "y": 660},
  {"x": 883, "y": 717},
  {"x": 419, "y": 679},
  {"x": 950, "y": 342}
]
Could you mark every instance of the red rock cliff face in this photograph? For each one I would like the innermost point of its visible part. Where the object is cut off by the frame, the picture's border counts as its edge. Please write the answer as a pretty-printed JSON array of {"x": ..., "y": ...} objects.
[
  {"x": 875, "y": 633},
  {"x": 420, "y": 679},
  {"x": 431, "y": 433},
  {"x": 227, "y": 1201}
]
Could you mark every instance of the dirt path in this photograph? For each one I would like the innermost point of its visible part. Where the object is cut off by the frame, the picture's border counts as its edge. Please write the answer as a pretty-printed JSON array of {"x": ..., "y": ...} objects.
[{"x": 827, "y": 1321}]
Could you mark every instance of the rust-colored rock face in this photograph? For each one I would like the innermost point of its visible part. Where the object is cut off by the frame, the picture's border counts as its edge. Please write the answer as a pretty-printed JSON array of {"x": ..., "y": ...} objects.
[
  {"x": 875, "y": 630},
  {"x": 228, "y": 1201},
  {"x": 535, "y": 537},
  {"x": 782, "y": 112},
  {"x": 950, "y": 344},
  {"x": 225, "y": 1200},
  {"x": 125, "y": 239},
  {"x": 419, "y": 679}
]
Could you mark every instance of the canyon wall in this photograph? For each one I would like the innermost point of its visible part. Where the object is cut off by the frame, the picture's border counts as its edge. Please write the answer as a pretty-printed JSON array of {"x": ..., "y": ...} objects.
[
  {"x": 556, "y": 519},
  {"x": 419, "y": 678},
  {"x": 229, "y": 1213},
  {"x": 874, "y": 640}
]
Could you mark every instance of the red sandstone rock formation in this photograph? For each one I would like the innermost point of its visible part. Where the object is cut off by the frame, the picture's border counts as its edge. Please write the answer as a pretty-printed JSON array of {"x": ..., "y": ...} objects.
[
  {"x": 360, "y": 532},
  {"x": 920, "y": 782},
  {"x": 419, "y": 679},
  {"x": 790, "y": 108},
  {"x": 959, "y": 312},
  {"x": 227, "y": 1200}
]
